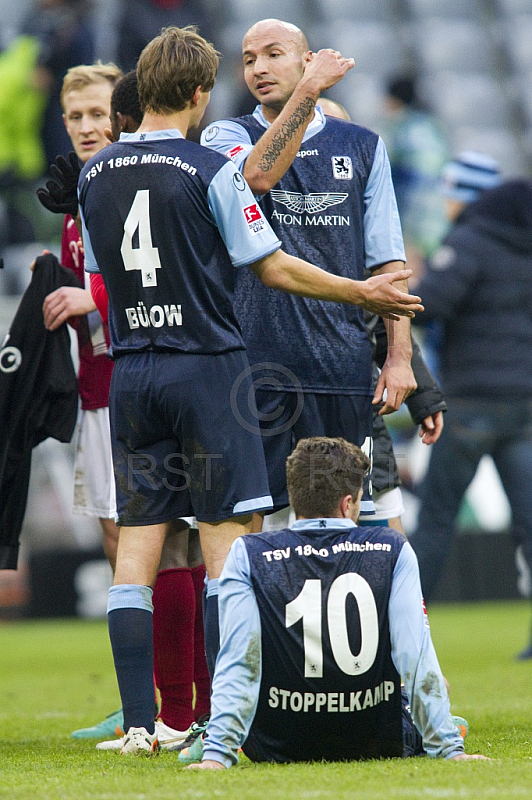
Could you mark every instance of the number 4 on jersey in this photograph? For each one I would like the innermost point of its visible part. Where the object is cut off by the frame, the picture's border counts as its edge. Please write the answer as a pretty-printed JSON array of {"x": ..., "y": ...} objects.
[{"x": 145, "y": 256}]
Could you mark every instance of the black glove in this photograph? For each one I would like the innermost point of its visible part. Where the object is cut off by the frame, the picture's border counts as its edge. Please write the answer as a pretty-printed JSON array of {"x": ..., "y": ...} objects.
[{"x": 61, "y": 195}]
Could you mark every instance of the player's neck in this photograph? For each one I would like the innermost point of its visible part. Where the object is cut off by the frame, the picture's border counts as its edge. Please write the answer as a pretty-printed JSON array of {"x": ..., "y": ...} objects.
[
  {"x": 162, "y": 122},
  {"x": 270, "y": 114}
]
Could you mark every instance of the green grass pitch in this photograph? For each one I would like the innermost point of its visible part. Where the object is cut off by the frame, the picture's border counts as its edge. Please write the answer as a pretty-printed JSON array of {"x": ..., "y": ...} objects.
[{"x": 57, "y": 675}]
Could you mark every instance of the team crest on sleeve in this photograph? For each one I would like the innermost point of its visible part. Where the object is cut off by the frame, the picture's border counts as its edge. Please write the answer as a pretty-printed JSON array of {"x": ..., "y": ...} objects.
[
  {"x": 342, "y": 167},
  {"x": 254, "y": 218},
  {"x": 238, "y": 182},
  {"x": 212, "y": 132},
  {"x": 234, "y": 151}
]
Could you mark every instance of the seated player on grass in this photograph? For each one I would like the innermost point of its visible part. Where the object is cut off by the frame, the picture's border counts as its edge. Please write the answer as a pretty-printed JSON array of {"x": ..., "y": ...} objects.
[{"x": 318, "y": 624}]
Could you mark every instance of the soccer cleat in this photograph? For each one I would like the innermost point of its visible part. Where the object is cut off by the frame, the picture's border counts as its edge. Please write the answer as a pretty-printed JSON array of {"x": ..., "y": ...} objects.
[
  {"x": 462, "y": 725},
  {"x": 138, "y": 742},
  {"x": 167, "y": 736},
  {"x": 112, "y": 725},
  {"x": 195, "y": 730},
  {"x": 193, "y": 753},
  {"x": 191, "y": 750}
]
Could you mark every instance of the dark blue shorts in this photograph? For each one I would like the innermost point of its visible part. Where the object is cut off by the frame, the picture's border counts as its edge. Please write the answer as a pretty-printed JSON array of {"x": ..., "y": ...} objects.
[
  {"x": 287, "y": 417},
  {"x": 184, "y": 438}
]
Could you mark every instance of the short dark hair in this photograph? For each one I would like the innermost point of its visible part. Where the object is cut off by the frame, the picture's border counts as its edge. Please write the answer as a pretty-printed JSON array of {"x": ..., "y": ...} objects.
[
  {"x": 403, "y": 88},
  {"x": 172, "y": 66},
  {"x": 125, "y": 97},
  {"x": 320, "y": 472}
]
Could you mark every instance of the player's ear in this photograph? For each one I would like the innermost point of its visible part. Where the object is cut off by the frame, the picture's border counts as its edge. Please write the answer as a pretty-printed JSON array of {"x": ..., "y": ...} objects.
[
  {"x": 196, "y": 96},
  {"x": 346, "y": 504}
]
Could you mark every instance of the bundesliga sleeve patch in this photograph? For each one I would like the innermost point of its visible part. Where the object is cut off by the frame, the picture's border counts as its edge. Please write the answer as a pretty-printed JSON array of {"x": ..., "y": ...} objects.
[
  {"x": 234, "y": 151},
  {"x": 254, "y": 218}
]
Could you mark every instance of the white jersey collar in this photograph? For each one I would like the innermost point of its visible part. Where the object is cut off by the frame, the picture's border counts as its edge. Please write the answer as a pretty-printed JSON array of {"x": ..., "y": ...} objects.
[
  {"x": 320, "y": 524},
  {"x": 151, "y": 136}
]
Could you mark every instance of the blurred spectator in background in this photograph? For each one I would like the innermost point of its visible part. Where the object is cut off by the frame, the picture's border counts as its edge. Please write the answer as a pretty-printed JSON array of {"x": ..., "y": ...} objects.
[
  {"x": 142, "y": 20},
  {"x": 65, "y": 35},
  {"x": 417, "y": 149},
  {"x": 55, "y": 36},
  {"x": 479, "y": 284}
]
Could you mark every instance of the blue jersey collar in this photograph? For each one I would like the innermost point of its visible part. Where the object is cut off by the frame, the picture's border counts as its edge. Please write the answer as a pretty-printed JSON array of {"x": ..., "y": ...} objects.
[
  {"x": 151, "y": 136},
  {"x": 320, "y": 524},
  {"x": 313, "y": 127}
]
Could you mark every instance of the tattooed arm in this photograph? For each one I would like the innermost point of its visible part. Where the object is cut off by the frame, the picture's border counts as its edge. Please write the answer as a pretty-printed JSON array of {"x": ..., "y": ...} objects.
[{"x": 276, "y": 149}]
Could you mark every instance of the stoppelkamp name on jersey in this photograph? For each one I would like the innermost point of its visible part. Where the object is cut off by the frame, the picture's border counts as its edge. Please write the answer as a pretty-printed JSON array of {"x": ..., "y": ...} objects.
[
  {"x": 132, "y": 161},
  {"x": 330, "y": 702}
]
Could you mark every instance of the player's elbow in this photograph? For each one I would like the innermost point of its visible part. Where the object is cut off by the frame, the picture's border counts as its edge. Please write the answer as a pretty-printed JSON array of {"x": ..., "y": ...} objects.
[
  {"x": 269, "y": 270},
  {"x": 258, "y": 181}
]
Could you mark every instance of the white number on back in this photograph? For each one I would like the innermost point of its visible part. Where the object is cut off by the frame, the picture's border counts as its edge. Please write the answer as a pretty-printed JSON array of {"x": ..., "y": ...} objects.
[
  {"x": 144, "y": 257},
  {"x": 307, "y": 606}
]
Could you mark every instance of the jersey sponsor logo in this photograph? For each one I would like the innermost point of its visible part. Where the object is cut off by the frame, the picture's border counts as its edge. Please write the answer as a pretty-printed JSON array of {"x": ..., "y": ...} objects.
[
  {"x": 254, "y": 218},
  {"x": 309, "y": 203},
  {"x": 212, "y": 132},
  {"x": 234, "y": 151},
  {"x": 342, "y": 167},
  {"x": 306, "y": 153},
  {"x": 330, "y": 702},
  {"x": 154, "y": 317},
  {"x": 239, "y": 182},
  {"x": 10, "y": 358}
]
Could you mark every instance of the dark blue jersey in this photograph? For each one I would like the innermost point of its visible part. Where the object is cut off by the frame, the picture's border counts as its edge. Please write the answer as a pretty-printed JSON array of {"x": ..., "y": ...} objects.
[
  {"x": 166, "y": 221},
  {"x": 335, "y": 208},
  {"x": 326, "y": 652}
]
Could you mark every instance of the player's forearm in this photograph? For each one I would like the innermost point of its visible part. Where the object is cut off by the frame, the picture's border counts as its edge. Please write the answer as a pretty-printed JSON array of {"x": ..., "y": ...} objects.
[
  {"x": 295, "y": 276},
  {"x": 398, "y": 332},
  {"x": 277, "y": 148}
]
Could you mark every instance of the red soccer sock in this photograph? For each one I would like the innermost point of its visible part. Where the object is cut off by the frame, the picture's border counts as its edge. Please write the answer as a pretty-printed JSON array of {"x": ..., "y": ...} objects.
[
  {"x": 201, "y": 673},
  {"x": 174, "y": 606}
]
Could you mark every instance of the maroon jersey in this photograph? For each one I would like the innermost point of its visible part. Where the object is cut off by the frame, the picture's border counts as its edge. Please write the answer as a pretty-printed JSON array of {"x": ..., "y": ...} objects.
[{"x": 93, "y": 339}]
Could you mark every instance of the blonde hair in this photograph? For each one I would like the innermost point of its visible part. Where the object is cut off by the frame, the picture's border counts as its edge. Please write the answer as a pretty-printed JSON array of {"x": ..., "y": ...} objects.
[
  {"x": 172, "y": 66},
  {"x": 87, "y": 74}
]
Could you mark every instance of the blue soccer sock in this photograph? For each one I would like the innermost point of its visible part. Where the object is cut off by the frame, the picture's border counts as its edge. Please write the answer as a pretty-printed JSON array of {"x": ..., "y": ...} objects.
[
  {"x": 211, "y": 626},
  {"x": 130, "y": 619}
]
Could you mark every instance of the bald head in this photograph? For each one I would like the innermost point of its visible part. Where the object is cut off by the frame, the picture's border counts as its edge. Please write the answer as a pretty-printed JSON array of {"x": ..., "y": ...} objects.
[
  {"x": 277, "y": 31},
  {"x": 333, "y": 109},
  {"x": 275, "y": 54}
]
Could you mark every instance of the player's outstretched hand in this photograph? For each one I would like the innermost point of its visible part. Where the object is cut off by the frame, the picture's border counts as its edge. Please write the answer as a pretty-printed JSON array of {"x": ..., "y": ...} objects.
[
  {"x": 327, "y": 67},
  {"x": 60, "y": 195},
  {"x": 384, "y": 298},
  {"x": 206, "y": 765},
  {"x": 469, "y": 757}
]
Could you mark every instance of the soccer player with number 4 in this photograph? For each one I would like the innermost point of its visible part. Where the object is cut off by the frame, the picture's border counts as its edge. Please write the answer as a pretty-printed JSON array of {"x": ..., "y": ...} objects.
[
  {"x": 167, "y": 221},
  {"x": 318, "y": 624}
]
